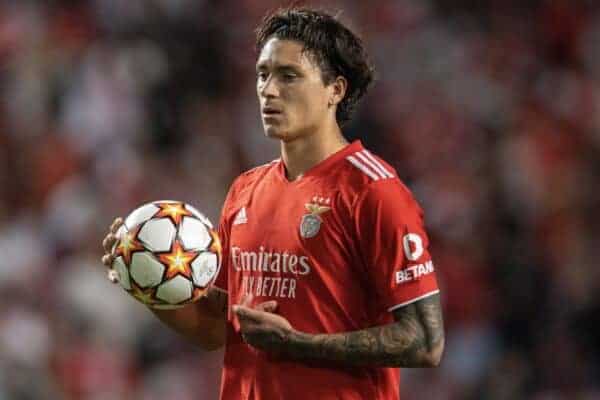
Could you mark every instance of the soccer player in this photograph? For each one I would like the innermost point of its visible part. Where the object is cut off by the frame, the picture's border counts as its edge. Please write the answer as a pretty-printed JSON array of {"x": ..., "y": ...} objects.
[{"x": 327, "y": 286}]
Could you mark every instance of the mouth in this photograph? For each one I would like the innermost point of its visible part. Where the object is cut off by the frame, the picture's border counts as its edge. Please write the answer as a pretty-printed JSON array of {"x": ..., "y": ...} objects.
[{"x": 270, "y": 111}]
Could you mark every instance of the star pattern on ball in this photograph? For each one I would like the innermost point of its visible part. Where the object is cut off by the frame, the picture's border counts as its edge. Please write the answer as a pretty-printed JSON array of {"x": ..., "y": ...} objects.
[
  {"x": 197, "y": 294},
  {"x": 174, "y": 211},
  {"x": 128, "y": 244},
  {"x": 145, "y": 296},
  {"x": 178, "y": 261},
  {"x": 215, "y": 246}
]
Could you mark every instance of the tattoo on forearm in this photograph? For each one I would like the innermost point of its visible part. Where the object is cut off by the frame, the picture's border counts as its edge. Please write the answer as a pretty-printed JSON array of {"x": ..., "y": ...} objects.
[{"x": 410, "y": 341}]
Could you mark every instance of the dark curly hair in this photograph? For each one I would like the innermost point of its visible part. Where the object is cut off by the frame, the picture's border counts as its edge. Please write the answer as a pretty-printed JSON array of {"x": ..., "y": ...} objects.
[{"x": 336, "y": 50}]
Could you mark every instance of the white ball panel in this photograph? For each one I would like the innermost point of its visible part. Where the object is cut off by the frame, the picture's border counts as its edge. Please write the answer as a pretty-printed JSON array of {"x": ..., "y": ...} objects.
[
  {"x": 193, "y": 234},
  {"x": 204, "y": 268},
  {"x": 140, "y": 215},
  {"x": 200, "y": 216},
  {"x": 119, "y": 266},
  {"x": 167, "y": 306},
  {"x": 175, "y": 290},
  {"x": 146, "y": 270},
  {"x": 157, "y": 234},
  {"x": 120, "y": 232}
]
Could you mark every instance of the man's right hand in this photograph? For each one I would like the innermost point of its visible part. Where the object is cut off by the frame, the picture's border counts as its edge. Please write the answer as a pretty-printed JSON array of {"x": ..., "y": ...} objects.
[
  {"x": 109, "y": 249},
  {"x": 203, "y": 322}
]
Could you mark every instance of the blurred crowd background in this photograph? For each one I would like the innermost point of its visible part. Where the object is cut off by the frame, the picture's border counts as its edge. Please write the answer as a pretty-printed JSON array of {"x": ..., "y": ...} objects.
[{"x": 489, "y": 110}]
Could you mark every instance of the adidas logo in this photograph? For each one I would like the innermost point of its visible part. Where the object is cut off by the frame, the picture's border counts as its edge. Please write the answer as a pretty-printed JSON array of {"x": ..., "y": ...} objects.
[{"x": 240, "y": 218}]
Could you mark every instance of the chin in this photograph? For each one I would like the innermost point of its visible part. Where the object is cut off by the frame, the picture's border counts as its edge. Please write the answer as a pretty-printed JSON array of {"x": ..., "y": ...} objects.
[
  {"x": 276, "y": 133},
  {"x": 284, "y": 135}
]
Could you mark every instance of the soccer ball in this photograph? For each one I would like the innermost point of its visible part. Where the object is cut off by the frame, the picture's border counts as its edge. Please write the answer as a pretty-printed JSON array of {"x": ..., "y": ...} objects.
[{"x": 167, "y": 254}]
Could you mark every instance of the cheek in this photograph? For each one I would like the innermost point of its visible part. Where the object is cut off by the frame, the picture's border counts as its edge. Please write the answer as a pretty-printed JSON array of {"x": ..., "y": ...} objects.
[{"x": 309, "y": 105}]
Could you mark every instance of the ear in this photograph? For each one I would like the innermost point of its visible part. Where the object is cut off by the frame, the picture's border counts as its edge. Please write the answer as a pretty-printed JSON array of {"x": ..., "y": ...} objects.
[{"x": 338, "y": 90}]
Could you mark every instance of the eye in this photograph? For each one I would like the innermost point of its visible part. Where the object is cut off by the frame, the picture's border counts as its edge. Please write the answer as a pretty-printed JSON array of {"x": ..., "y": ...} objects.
[
  {"x": 288, "y": 76},
  {"x": 261, "y": 75}
]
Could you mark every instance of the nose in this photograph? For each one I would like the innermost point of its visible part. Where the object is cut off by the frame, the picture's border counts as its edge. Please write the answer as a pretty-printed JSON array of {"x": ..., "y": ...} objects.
[{"x": 268, "y": 88}]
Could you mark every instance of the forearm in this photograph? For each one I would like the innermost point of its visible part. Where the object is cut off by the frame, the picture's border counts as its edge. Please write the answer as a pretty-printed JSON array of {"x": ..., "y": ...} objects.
[
  {"x": 202, "y": 323},
  {"x": 416, "y": 339},
  {"x": 385, "y": 346}
]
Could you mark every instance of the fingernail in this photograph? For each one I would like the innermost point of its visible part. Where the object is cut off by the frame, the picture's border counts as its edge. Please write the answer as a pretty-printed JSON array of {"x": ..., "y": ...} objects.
[{"x": 235, "y": 308}]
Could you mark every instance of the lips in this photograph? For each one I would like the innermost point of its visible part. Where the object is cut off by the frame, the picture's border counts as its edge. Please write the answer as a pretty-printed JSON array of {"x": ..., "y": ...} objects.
[{"x": 271, "y": 111}]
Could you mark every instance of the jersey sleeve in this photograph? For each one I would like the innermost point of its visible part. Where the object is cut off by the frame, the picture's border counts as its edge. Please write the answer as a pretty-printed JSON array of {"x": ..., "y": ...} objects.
[
  {"x": 223, "y": 230},
  {"x": 394, "y": 245}
]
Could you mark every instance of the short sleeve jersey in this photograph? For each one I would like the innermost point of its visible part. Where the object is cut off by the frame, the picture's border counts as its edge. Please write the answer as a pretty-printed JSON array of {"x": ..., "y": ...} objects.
[{"x": 339, "y": 249}]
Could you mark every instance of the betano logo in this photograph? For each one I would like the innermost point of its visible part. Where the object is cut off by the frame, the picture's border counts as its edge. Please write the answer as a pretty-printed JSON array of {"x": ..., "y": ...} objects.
[
  {"x": 413, "y": 249},
  {"x": 414, "y": 272},
  {"x": 416, "y": 250}
]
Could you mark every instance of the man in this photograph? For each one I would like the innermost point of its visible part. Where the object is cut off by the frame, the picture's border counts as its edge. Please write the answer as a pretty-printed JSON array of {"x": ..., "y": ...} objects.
[{"x": 326, "y": 286}]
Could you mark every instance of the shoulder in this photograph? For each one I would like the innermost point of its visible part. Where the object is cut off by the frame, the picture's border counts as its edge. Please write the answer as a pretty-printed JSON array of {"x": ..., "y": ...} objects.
[
  {"x": 361, "y": 169},
  {"x": 391, "y": 196},
  {"x": 252, "y": 175},
  {"x": 367, "y": 178},
  {"x": 246, "y": 181},
  {"x": 371, "y": 187},
  {"x": 367, "y": 167}
]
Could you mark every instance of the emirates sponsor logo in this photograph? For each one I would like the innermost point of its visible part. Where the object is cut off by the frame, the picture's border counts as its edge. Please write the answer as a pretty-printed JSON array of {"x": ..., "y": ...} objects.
[
  {"x": 269, "y": 261},
  {"x": 275, "y": 274}
]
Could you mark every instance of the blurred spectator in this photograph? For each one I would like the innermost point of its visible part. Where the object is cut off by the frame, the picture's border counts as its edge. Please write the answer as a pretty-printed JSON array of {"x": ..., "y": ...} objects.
[{"x": 489, "y": 110}]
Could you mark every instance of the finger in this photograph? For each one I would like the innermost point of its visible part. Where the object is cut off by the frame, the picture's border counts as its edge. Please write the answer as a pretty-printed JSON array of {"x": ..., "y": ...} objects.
[
  {"x": 114, "y": 227},
  {"x": 107, "y": 260},
  {"x": 267, "y": 306},
  {"x": 108, "y": 242},
  {"x": 112, "y": 276},
  {"x": 246, "y": 313},
  {"x": 246, "y": 300}
]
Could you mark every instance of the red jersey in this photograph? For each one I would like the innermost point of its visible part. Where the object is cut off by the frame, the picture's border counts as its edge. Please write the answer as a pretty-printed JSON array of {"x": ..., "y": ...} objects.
[{"x": 339, "y": 249}]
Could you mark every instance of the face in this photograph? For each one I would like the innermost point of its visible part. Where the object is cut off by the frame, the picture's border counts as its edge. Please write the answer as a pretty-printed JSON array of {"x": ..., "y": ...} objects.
[{"x": 294, "y": 102}]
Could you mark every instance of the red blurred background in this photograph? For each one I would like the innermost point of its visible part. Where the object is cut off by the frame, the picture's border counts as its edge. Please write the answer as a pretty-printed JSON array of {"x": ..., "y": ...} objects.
[{"x": 489, "y": 110}]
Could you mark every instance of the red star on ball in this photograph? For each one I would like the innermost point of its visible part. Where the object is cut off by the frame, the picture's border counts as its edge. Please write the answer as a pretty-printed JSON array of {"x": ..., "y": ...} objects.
[
  {"x": 128, "y": 244},
  {"x": 198, "y": 293},
  {"x": 215, "y": 247},
  {"x": 178, "y": 261},
  {"x": 174, "y": 211},
  {"x": 145, "y": 296}
]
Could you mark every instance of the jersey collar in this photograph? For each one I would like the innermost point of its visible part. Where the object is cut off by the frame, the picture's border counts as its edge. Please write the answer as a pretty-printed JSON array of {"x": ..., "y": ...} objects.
[{"x": 326, "y": 164}]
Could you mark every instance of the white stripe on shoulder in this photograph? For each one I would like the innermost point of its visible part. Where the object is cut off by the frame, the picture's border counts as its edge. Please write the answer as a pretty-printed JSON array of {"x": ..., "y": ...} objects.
[
  {"x": 371, "y": 164},
  {"x": 378, "y": 163},
  {"x": 362, "y": 167}
]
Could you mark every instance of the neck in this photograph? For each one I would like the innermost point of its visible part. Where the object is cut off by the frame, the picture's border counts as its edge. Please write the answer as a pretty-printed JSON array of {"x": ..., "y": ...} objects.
[{"x": 303, "y": 153}]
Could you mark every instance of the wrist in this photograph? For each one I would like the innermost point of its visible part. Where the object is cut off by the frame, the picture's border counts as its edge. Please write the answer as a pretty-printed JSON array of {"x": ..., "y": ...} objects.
[{"x": 298, "y": 345}]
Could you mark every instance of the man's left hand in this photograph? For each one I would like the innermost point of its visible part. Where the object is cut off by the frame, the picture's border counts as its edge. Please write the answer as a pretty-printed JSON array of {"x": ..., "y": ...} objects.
[{"x": 261, "y": 327}]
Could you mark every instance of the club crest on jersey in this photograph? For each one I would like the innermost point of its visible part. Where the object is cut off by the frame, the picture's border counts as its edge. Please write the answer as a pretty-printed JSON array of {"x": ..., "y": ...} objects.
[{"x": 311, "y": 222}]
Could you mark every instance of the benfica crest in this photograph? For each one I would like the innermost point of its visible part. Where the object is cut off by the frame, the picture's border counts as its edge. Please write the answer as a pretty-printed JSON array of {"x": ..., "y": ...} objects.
[{"x": 311, "y": 222}]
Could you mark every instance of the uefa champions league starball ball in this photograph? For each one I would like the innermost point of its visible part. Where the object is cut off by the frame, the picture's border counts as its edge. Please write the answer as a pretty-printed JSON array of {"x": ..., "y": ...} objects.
[{"x": 167, "y": 254}]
